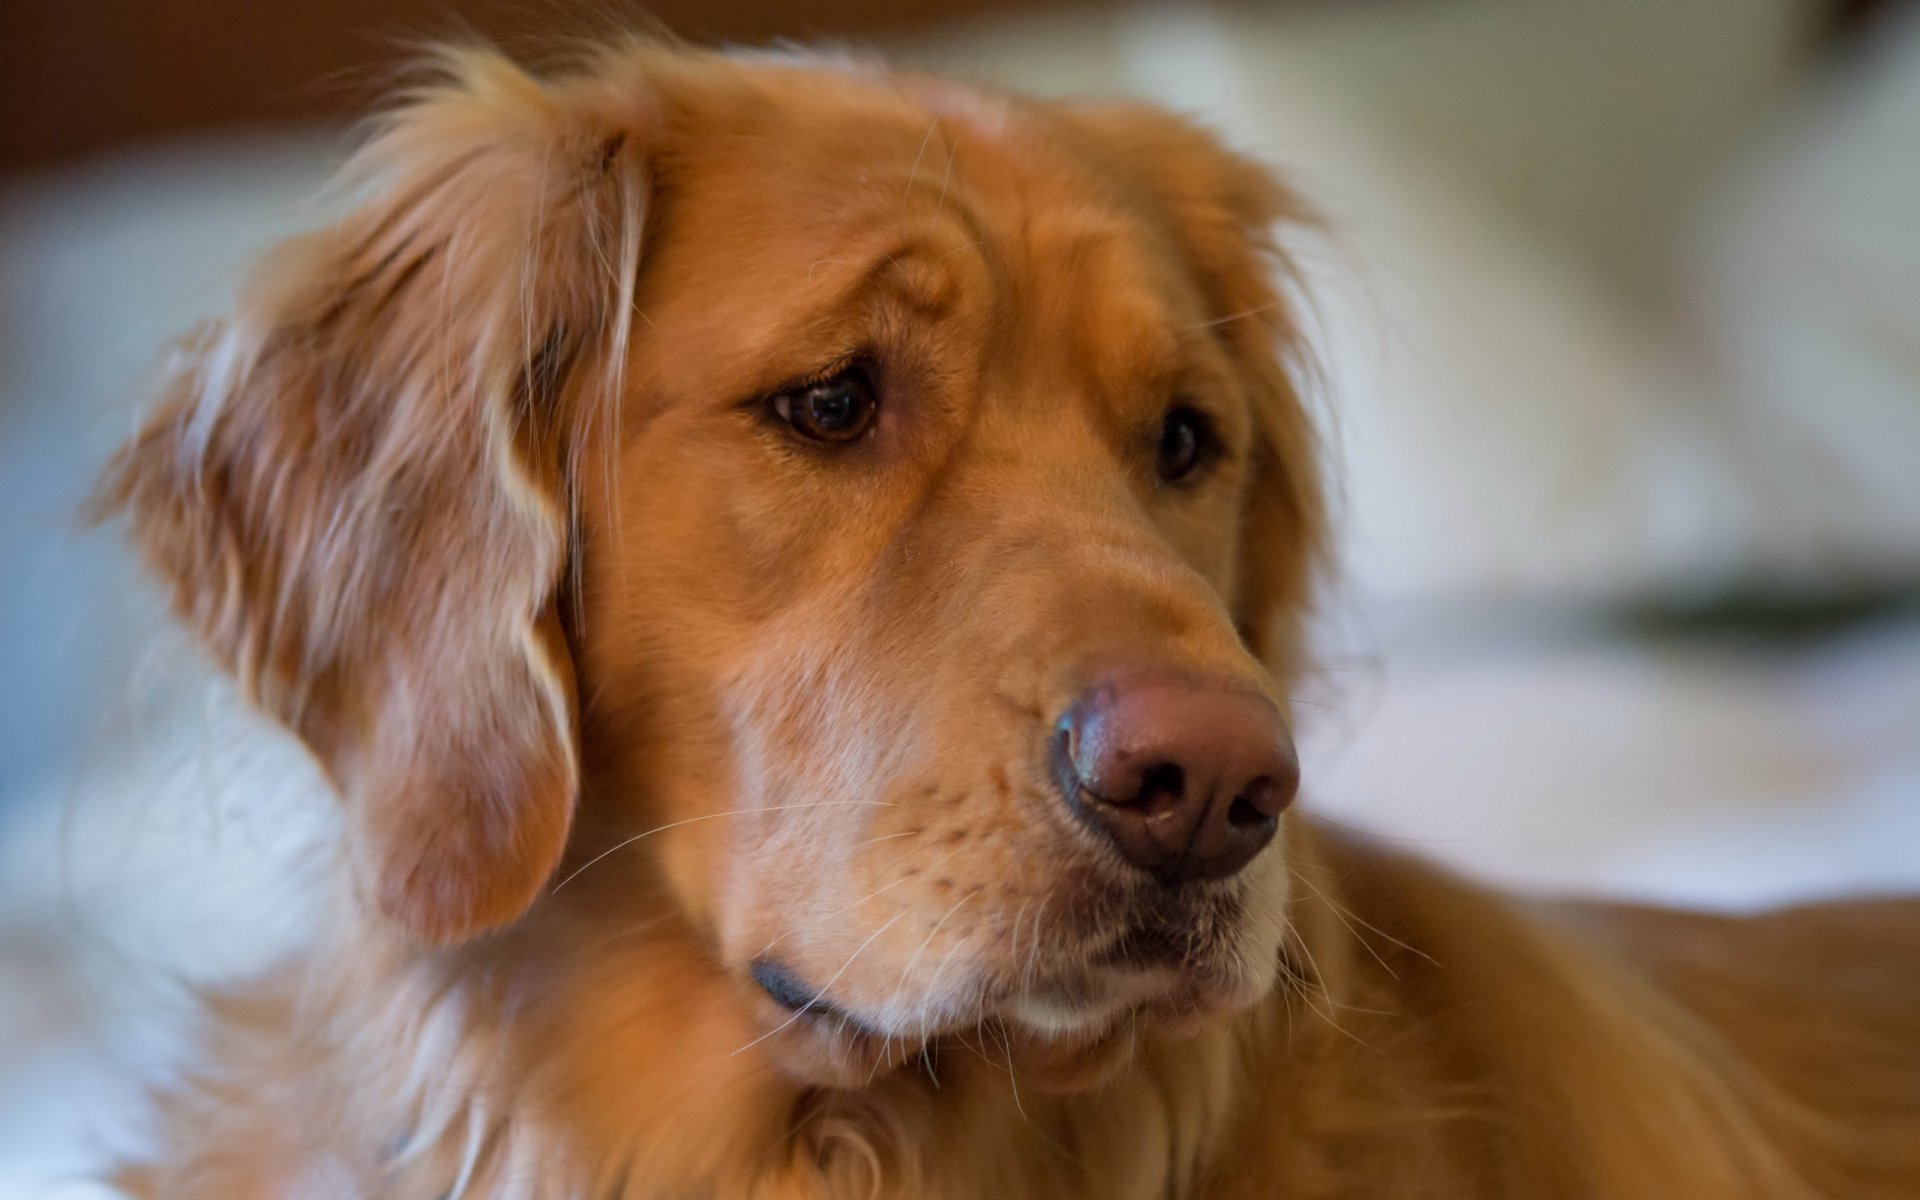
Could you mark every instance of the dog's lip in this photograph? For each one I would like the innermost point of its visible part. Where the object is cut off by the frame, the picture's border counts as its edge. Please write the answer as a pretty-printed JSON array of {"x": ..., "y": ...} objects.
[
  {"x": 778, "y": 981},
  {"x": 1072, "y": 1008},
  {"x": 791, "y": 993},
  {"x": 1136, "y": 968},
  {"x": 1069, "y": 1027},
  {"x": 1058, "y": 1038},
  {"x": 813, "y": 1040}
]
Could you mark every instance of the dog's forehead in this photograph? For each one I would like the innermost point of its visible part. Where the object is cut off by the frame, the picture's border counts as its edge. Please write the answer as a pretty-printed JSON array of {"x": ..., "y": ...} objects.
[
  {"x": 984, "y": 116},
  {"x": 919, "y": 183},
  {"x": 852, "y": 82},
  {"x": 829, "y": 140}
]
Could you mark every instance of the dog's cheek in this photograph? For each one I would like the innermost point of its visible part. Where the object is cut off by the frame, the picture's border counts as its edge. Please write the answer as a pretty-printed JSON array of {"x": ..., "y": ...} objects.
[
  {"x": 1266, "y": 917},
  {"x": 703, "y": 872}
]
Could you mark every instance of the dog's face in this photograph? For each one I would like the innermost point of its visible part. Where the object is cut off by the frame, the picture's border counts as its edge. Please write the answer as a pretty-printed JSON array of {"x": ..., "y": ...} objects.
[{"x": 878, "y": 505}]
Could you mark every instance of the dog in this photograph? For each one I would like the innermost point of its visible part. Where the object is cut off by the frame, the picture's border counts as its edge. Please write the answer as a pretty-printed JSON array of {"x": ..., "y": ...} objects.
[{"x": 794, "y": 571}]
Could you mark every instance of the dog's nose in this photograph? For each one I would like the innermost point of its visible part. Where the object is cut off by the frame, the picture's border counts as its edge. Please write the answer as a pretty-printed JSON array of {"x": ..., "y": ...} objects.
[{"x": 1187, "y": 779}]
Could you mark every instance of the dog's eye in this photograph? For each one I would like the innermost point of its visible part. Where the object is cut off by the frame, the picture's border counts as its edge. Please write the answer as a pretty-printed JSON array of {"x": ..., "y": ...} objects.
[
  {"x": 839, "y": 408},
  {"x": 1187, "y": 443}
]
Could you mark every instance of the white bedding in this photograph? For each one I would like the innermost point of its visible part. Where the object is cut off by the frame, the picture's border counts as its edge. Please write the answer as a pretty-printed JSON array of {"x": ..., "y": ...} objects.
[{"x": 1711, "y": 772}]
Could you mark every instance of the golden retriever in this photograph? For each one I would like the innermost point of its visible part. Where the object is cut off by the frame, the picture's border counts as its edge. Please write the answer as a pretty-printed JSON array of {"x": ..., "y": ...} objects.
[{"x": 794, "y": 571}]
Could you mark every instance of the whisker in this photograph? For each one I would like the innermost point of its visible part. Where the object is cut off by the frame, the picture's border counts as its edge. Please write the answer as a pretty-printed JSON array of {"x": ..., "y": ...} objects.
[
  {"x": 958, "y": 945},
  {"x": 905, "y": 877},
  {"x": 822, "y": 993},
  {"x": 931, "y": 934},
  {"x": 913, "y": 172},
  {"x": 1242, "y": 315},
  {"x": 953, "y": 148},
  {"x": 737, "y": 812},
  {"x": 1013, "y": 1079},
  {"x": 1307, "y": 994},
  {"x": 1013, "y": 940},
  {"x": 1364, "y": 831},
  {"x": 1341, "y": 916},
  {"x": 1033, "y": 950},
  {"x": 1300, "y": 874}
]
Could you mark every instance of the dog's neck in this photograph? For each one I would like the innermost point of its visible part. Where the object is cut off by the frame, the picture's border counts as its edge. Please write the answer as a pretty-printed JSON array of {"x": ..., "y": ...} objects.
[
  {"x": 615, "y": 1059},
  {"x": 630, "y": 1053},
  {"x": 606, "y": 1060}
]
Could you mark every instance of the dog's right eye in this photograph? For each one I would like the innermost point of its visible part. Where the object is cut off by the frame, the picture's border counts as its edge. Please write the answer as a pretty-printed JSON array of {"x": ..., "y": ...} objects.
[
  {"x": 839, "y": 408},
  {"x": 1187, "y": 444}
]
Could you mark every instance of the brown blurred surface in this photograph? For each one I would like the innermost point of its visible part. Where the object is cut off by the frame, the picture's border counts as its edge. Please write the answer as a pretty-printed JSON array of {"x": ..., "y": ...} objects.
[
  {"x": 79, "y": 76},
  {"x": 82, "y": 75}
]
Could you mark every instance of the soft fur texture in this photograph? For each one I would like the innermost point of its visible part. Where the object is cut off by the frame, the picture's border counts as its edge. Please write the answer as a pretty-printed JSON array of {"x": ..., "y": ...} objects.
[{"x": 624, "y": 688}]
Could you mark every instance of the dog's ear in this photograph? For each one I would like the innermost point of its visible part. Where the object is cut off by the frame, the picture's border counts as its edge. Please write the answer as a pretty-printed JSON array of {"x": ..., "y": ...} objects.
[
  {"x": 356, "y": 486},
  {"x": 1222, "y": 210}
]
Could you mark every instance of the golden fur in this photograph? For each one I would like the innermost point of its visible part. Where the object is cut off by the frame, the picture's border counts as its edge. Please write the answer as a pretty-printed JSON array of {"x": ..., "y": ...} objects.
[{"x": 624, "y": 689}]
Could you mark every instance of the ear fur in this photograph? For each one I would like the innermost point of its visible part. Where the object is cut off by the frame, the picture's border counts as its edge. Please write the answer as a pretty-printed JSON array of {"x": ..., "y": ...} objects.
[
  {"x": 354, "y": 486},
  {"x": 1222, "y": 210}
]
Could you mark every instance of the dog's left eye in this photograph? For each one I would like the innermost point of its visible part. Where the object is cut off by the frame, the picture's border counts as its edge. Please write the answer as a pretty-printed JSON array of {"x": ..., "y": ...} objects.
[
  {"x": 1187, "y": 444},
  {"x": 840, "y": 408}
]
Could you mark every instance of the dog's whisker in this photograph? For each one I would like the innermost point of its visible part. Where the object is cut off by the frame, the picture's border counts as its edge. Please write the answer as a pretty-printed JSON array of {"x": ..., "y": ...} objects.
[
  {"x": 824, "y": 262},
  {"x": 913, "y": 172},
  {"x": 1301, "y": 878},
  {"x": 907, "y": 875},
  {"x": 821, "y": 994},
  {"x": 736, "y": 812},
  {"x": 883, "y": 1058},
  {"x": 1013, "y": 1075},
  {"x": 1242, "y": 315},
  {"x": 1013, "y": 939},
  {"x": 1301, "y": 873},
  {"x": 1033, "y": 950},
  {"x": 959, "y": 944},
  {"x": 907, "y": 970},
  {"x": 1307, "y": 994},
  {"x": 946, "y": 180}
]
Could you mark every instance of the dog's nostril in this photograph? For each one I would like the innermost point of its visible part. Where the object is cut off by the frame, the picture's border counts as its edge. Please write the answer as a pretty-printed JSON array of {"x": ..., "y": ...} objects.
[
  {"x": 1254, "y": 806},
  {"x": 1161, "y": 783}
]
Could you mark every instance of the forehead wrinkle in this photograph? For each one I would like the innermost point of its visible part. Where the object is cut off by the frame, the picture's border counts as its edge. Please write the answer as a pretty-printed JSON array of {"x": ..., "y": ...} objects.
[
  {"x": 1087, "y": 297},
  {"x": 876, "y": 250},
  {"x": 1100, "y": 298},
  {"x": 889, "y": 270},
  {"x": 930, "y": 233},
  {"x": 916, "y": 267}
]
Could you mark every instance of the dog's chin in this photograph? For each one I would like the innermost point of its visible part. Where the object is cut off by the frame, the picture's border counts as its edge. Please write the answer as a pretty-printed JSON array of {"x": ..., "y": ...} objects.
[
  {"x": 1063, "y": 1044},
  {"x": 1056, "y": 1038},
  {"x": 1063, "y": 1023}
]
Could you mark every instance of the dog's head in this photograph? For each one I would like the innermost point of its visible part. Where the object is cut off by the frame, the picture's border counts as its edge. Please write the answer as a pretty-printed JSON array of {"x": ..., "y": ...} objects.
[{"x": 878, "y": 506}]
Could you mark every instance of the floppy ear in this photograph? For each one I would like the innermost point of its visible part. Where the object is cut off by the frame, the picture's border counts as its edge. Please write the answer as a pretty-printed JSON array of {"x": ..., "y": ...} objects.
[
  {"x": 354, "y": 486},
  {"x": 1222, "y": 210}
]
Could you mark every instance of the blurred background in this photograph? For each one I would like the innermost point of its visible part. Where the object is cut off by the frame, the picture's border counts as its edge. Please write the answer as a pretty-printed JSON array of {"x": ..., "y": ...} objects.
[{"x": 1616, "y": 326}]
